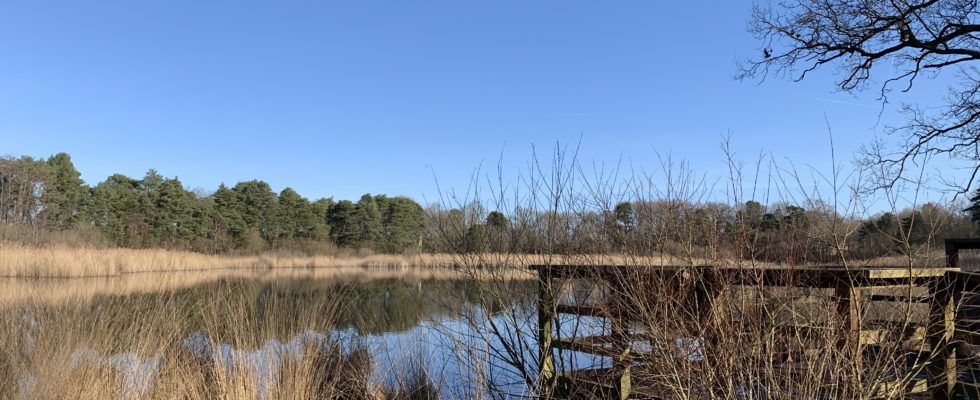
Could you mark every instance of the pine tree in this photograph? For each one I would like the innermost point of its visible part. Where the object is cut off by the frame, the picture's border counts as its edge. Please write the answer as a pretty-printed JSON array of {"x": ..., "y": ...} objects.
[
  {"x": 915, "y": 228},
  {"x": 230, "y": 219},
  {"x": 752, "y": 214},
  {"x": 171, "y": 224},
  {"x": 297, "y": 218},
  {"x": 258, "y": 206},
  {"x": 625, "y": 216},
  {"x": 202, "y": 226},
  {"x": 343, "y": 227},
  {"x": 321, "y": 209},
  {"x": 65, "y": 193},
  {"x": 115, "y": 210},
  {"x": 497, "y": 220},
  {"x": 974, "y": 210},
  {"x": 477, "y": 240},
  {"x": 367, "y": 217},
  {"x": 403, "y": 223}
]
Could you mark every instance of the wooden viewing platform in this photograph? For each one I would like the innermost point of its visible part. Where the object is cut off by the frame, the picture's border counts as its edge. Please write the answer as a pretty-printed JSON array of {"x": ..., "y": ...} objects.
[{"x": 949, "y": 300}]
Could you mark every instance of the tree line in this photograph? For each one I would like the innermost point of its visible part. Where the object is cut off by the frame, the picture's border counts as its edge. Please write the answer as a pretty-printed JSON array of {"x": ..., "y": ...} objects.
[
  {"x": 783, "y": 233},
  {"x": 156, "y": 211}
]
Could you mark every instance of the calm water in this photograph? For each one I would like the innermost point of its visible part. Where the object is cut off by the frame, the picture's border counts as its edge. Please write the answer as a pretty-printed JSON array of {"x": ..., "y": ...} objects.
[{"x": 451, "y": 327}]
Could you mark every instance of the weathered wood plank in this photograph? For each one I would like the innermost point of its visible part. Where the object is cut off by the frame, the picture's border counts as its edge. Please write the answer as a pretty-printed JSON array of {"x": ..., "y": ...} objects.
[
  {"x": 849, "y": 312},
  {"x": 912, "y": 335},
  {"x": 598, "y": 345},
  {"x": 807, "y": 276},
  {"x": 621, "y": 342},
  {"x": 942, "y": 328},
  {"x": 583, "y": 310},
  {"x": 897, "y": 389},
  {"x": 854, "y": 290}
]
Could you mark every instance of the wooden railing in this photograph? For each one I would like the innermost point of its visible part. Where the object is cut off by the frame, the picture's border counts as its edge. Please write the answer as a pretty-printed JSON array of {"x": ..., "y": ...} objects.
[{"x": 953, "y": 322}]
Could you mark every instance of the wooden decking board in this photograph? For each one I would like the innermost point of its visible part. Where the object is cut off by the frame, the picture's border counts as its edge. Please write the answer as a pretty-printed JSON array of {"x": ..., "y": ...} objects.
[
  {"x": 583, "y": 310},
  {"x": 809, "y": 276},
  {"x": 896, "y": 389},
  {"x": 900, "y": 298},
  {"x": 604, "y": 345},
  {"x": 944, "y": 326},
  {"x": 913, "y": 335}
]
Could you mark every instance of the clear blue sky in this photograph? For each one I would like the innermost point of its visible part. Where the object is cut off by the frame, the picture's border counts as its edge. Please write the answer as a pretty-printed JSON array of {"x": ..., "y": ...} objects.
[{"x": 340, "y": 98}]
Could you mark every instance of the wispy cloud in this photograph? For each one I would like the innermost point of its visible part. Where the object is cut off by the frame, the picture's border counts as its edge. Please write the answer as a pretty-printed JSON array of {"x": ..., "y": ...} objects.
[{"x": 844, "y": 102}]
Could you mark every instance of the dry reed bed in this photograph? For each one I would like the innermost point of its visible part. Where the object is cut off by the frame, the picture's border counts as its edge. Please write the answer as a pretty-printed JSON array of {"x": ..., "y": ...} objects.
[
  {"x": 62, "y": 261},
  {"x": 65, "y": 351},
  {"x": 18, "y": 260}
]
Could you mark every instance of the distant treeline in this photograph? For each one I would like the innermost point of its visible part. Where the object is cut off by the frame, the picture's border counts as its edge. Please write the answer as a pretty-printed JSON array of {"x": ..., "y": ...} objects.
[
  {"x": 779, "y": 232},
  {"x": 49, "y": 196},
  {"x": 156, "y": 211}
]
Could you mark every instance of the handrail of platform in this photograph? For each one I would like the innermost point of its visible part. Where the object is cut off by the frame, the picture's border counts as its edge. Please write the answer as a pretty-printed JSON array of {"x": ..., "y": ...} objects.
[{"x": 947, "y": 286}]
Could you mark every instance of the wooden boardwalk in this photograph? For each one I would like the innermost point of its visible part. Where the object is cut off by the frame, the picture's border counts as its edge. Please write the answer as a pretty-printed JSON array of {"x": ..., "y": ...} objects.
[{"x": 949, "y": 323}]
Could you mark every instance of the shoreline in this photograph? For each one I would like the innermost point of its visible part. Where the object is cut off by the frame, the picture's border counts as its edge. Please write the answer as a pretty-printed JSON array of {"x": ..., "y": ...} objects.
[
  {"x": 24, "y": 261},
  {"x": 51, "y": 262}
]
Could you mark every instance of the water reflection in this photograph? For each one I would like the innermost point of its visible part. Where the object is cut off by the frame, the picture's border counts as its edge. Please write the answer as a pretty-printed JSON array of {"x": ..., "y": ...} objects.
[{"x": 248, "y": 323}]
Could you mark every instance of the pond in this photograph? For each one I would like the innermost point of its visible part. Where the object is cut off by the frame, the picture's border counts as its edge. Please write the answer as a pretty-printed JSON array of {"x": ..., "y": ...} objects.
[{"x": 248, "y": 334}]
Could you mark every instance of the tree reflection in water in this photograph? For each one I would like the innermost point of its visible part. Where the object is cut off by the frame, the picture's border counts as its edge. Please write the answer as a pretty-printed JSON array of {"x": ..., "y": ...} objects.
[{"x": 250, "y": 324}]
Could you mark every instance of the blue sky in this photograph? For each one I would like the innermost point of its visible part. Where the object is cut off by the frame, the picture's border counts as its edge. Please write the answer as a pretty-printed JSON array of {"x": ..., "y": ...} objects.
[{"x": 341, "y": 98}]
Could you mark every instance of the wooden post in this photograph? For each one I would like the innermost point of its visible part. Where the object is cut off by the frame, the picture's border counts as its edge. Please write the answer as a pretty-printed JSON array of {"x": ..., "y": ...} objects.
[
  {"x": 953, "y": 247},
  {"x": 619, "y": 325},
  {"x": 942, "y": 371},
  {"x": 952, "y": 254},
  {"x": 849, "y": 311},
  {"x": 546, "y": 321}
]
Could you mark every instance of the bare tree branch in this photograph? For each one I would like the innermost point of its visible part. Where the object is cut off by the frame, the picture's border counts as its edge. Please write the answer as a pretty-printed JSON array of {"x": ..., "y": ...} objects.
[{"x": 856, "y": 37}]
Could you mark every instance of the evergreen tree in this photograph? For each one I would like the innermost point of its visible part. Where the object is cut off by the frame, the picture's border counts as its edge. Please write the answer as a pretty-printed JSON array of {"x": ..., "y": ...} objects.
[
  {"x": 770, "y": 221},
  {"x": 229, "y": 216},
  {"x": 497, "y": 220},
  {"x": 258, "y": 206},
  {"x": 64, "y": 192},
  {"x": 476, "y": 240},
  {"x": 974, "y": 210},
  {"x": 752, "y": 214},
  {"x": 367, "y": 217},
  {"x": 152, "y": 181},
  {"x": 115, "y": 210},
  {"x": 796, "y": 217},
  {"x": 321, "y": 209},
  {"x": 915, "y": 228},
  {"x": 171, "y": 223},
  {"x": 288, "y": 214},
  {"x": 497, "y": 227},
  {"x": 297, "y": 218},
  {"x": 403, "y": 223},
  {"x": 343, "y": 227},
  {"x": 202, "y": 226},
  {"x": 625, "y": 216}
]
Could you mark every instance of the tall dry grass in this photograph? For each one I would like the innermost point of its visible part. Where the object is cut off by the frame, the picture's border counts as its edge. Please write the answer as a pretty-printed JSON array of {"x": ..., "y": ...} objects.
[
  {"x": 60, "y": 261},
  {"x": 230, "y": 339},
  {"x": 752, "y": 339},
  {"x": 18, "y": 260}
]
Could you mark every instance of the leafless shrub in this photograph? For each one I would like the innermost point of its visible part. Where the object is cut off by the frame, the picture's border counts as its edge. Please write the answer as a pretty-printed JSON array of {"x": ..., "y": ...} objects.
[{"x": 711, "y": 281}]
